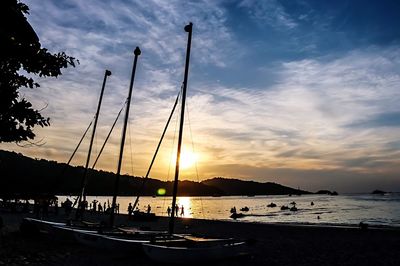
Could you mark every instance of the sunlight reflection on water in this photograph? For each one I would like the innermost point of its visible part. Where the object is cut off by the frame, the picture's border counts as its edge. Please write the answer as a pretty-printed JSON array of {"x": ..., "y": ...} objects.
[{"x": 342, "y": 209}]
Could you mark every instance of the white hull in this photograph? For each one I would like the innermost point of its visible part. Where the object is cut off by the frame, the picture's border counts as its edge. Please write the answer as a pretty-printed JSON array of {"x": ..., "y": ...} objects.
[
  {"x": 195, "y": 252},
  {"x": 116, "y": 244}
]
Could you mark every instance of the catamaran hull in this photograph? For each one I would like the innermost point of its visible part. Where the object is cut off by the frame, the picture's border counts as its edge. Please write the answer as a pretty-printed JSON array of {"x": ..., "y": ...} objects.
[
  {"x": 32, "y": 225},
  {"x": 114, "y": 244},
  {"x": 166, "y": 254},
  {"x": 58, "y": 231}
]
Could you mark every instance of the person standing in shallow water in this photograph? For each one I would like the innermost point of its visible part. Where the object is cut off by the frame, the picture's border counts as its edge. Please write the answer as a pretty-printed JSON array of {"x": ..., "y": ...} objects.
[
  {"x": 130, "y": 210},
  {"x": 169, "y": 211}
]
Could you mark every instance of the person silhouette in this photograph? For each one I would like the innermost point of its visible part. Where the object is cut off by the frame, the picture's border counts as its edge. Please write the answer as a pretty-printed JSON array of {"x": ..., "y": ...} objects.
[
  {"x": 169, "y": 210},
  {"x": 130, "y": 210},
  {"x": 176, "y": 210},
  {"x": 182, "y": 211},
  {"x": 148, "y": 208}
]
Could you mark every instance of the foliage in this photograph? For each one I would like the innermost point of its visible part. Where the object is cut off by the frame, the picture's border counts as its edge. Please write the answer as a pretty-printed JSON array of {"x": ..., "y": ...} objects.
[
  {"x": 24, "y": 175},
  {"x": 21, "y": 57}
]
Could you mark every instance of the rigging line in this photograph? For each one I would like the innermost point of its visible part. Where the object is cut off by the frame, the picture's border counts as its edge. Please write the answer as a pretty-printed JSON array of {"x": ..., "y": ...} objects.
[
  {"x": 73, "y": 154},
  {"x": 156, "y": 152},
  {"x": 109, "y": 134},
  {"x": 172, "y": 147},
  {"x": 77, "y": 147},
  {"x": 194, "y": 152}
]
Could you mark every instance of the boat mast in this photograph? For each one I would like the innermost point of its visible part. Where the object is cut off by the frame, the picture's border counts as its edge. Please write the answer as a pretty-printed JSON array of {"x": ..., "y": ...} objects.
[
  {"x": 188, "y": 29},
  {"x": 137, "y": 52},
  {"x": 84, "y": 178}
]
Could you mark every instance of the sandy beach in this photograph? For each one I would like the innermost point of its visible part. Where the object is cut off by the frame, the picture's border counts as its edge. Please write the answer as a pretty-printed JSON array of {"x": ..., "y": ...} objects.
[{"x": 274, "y": 244}]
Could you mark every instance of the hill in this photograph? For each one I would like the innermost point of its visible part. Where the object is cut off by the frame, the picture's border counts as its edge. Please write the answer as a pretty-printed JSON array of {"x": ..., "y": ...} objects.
[
  {"x": 27, "y": 176},
  {"x": 232, "y": 186}
]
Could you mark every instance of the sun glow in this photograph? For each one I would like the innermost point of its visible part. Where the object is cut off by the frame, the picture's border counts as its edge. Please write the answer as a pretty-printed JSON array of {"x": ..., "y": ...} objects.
[{"x": 188, "y": 158}]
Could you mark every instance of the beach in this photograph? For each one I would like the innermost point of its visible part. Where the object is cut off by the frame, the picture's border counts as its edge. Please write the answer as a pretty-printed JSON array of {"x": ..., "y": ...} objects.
[{"x": 272, "y": 244}]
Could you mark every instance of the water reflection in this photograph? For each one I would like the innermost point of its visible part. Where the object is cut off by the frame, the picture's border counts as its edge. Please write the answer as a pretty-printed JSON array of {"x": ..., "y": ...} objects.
[
  {"x": 346, "y": 209},
  {"x": 186, "y": 203}
]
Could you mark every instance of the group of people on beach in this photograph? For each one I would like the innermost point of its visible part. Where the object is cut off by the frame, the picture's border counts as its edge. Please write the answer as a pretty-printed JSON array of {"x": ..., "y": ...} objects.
[
  {"x": 179, "y": 211},
  {"x": 95, "y": 207},
  {"x": 131, "y": 211},
  {"x": 182, "y": 211}
]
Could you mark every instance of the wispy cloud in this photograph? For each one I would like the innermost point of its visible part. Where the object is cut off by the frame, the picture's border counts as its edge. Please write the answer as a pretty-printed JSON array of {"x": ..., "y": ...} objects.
[
  {"x": 269, "y": 12},
  {"x": 302, "y": 122},
  {"x": 310, "y": 119}
]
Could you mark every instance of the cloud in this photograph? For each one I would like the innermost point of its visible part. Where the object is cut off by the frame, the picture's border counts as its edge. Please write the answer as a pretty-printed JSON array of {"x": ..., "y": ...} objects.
[
  {"x": 270, "y": 12},
  {"x": 302, "y": 121},
  {"x": 335, "y": 114}
]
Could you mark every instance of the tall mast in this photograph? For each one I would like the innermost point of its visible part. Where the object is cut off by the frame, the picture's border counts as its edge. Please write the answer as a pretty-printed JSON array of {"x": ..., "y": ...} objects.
[
  {"x": 188, "y": 29},
  {"x": 84, "y": 178},
  {"x": 137, "y": 52}
]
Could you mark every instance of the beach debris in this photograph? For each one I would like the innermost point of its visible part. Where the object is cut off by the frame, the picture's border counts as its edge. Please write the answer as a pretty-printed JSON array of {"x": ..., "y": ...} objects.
[
  {"x": 284, "y": 207},
  {"x": 293, "y": 209},
  {"x": 271, "y": 205}
]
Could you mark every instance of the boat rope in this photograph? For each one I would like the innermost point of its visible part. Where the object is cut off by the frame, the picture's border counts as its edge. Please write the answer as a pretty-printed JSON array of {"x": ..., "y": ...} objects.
[
  {"x": 102, "y": 147},
  {"x": 194, "y": 152},
  {"x": 155, "y": 153},
  {"x": 109, "y": 134},
  {"x": 172, "y": 148},
  {"x": 77, "y": 147},
  {"x": 73, "y": 154}
]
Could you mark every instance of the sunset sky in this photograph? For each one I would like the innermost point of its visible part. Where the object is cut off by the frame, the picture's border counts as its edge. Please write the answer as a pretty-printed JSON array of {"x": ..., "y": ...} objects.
[{"x": 302, "y": 93}]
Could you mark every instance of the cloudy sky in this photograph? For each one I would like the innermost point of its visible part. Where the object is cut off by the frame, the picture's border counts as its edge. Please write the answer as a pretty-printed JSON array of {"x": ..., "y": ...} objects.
[{"x": 303, "y": 93}]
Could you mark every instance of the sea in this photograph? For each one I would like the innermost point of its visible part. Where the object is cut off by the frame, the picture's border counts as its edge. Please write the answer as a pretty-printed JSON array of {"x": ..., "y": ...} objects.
[{"x": 342, "y": 210}]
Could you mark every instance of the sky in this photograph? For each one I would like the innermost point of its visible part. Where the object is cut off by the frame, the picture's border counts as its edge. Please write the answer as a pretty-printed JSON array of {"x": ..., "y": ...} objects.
[{"x": 302, "y": 93}]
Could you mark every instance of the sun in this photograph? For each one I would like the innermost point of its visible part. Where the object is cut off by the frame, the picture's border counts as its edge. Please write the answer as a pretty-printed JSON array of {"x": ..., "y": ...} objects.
[{"x": 188, "y": 159}]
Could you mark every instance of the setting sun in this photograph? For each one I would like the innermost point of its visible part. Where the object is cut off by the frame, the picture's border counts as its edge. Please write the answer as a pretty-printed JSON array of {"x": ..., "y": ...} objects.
[{"x": 188, "y": 158}]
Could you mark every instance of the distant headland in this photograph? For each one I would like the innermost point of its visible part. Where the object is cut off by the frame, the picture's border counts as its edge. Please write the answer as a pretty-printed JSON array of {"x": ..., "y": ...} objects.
[{"x": 22, "y": 175}]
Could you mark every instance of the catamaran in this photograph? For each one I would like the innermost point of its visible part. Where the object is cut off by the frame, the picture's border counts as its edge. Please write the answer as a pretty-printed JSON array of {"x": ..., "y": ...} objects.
[{"x": 189, "y": 249}]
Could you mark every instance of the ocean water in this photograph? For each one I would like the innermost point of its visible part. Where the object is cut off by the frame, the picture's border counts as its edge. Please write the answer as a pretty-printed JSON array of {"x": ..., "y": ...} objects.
[{"x": 350, "y": 209}]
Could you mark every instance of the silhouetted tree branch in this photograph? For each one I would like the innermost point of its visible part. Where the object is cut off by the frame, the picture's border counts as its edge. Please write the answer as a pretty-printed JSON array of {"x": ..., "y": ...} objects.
[{"x": 21, "y": 50}]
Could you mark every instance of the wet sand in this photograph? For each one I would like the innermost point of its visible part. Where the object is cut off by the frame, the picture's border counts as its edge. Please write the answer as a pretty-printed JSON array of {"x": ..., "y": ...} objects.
[{"x": 274, "y": 244}]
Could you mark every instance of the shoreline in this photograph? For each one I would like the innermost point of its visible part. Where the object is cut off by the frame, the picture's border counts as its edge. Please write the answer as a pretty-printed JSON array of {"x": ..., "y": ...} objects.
[
  {"x": 93, "y": 217},
  {"x": 275, "y": 244}
]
